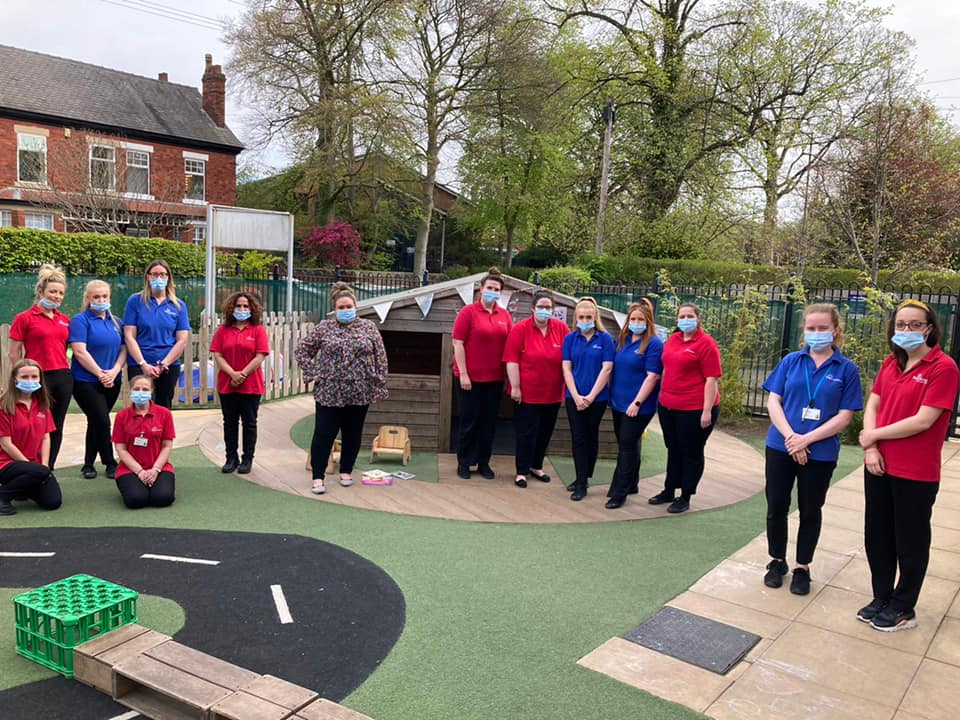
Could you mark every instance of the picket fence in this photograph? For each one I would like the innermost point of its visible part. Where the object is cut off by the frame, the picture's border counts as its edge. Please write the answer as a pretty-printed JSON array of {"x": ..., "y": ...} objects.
[{"x": 197, "y": 388}]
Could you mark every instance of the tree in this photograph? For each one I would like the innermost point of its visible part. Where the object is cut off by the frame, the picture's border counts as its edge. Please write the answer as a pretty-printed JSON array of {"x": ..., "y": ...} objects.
[{"x": 335, "y": 243}]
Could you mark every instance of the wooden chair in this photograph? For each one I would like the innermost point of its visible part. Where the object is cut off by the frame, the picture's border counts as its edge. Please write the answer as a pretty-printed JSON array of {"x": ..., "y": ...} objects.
[
  {"x": 392, "y": 440},
  {"x": 331, "y": 461}
]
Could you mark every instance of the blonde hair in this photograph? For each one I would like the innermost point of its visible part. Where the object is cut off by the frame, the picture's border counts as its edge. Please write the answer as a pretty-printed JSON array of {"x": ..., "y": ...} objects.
[
  {"x": 89, "y": 288},
  {"x": 8, "y": 400},
  {"x": 831, "y": 310},
  {"x": 339, "y": 290},
  {"x": 587, "y": 300},
  {"x": 171, "y": 290},
  {"x": 48, "y": 274},
  {"x": 645, "y": 307}
]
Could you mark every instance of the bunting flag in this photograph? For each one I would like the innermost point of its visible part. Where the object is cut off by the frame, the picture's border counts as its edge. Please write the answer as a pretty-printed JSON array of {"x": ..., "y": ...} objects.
[
  {"x": 621, "y": 318},
  {"x": 383, "y": 309},
  {"x": 504, "y": 299},
  {"x": 425, "y": 302},
  {"x": 466, "y": 293}
]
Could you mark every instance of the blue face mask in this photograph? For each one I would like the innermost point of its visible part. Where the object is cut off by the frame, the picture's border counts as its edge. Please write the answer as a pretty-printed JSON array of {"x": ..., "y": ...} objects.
[
  {"x": 158, "y": 284},
  {"x": 241, "y": 315},
  {"x": 100, "y": 307},
  {"x": 820, "y": 340},
  {"x": 687, "y": 324},
  {"x": 140, "y": 397},
  {"x": 48, "y": 304},
  {"x": 28, "y": 386},
  {"x": 585, "y": 327},
  {"x": 490, "y": 296},
  {"x": 346, "y": 316},
  {"x": 908, "y": 340},
  {"x": 543, "y": 314},
  {"x": 638, "y": 328}
]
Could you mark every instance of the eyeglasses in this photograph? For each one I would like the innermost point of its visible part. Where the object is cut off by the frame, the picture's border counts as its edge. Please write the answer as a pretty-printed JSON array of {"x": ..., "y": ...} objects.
[
  {"x": 914, "y": 325},
  {"x": 157, "y": 275}
]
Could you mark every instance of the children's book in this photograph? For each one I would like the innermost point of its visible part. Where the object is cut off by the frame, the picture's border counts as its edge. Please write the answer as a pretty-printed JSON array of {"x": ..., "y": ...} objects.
[{"x": 401, "y": 475}]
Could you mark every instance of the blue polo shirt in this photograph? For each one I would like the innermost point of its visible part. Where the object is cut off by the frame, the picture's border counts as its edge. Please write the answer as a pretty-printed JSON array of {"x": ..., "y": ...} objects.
[
  {"x": 103, "y": 337},
  {"x": 588, "y": 357},
  {"x": 630, "y": 369},
  {"x": 835, "y": 386},
  {"x": 157, "y": 325}
]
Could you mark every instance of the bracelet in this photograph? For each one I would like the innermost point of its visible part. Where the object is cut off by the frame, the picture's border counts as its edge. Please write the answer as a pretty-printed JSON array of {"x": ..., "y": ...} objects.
[{"x": 143, "y": 362}]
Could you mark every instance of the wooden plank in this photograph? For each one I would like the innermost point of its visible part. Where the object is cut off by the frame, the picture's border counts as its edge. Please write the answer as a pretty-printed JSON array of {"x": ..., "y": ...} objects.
[
  {"x": 324, "y": 709},
  {"x": 446, "y": 394},
  {"x": 143, "y": 682},
  {"x": 423, "y": 383},
  {"x": 91, "y": 669},
  {"x": 202, "y": 665},
  {"x": 204, "y": 355},
  {"x": 281, "y": 692},
  {"x": 244, "y": 706}
]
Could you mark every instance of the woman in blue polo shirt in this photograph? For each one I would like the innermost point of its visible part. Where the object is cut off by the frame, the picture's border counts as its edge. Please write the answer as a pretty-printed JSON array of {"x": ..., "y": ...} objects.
[
  {"x": 156, "y": 329},
  {"x": 588, "y": 354},
  {"x": 633, "y": 396},
  {"x": 813, "y": 395},
  {"x": 99, "y": 355}
]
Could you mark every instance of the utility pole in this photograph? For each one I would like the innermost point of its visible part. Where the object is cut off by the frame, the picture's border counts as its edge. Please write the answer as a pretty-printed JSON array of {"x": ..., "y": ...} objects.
[{"x": 609, "y": 113}]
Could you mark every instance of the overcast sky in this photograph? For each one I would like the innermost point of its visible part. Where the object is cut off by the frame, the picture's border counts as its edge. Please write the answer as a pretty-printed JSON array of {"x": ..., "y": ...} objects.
[{"x": 142, "y": 37}]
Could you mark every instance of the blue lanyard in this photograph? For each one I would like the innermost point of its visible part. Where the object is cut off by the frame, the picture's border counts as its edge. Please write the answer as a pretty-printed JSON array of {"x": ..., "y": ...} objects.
[{"x": 812, "y": 395}]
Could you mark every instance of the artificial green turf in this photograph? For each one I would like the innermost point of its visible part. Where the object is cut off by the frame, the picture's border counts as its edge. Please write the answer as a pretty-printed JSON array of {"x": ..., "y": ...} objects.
[
  {"x": 158, "y": 613},
  {"x": 497, "y": 615}
]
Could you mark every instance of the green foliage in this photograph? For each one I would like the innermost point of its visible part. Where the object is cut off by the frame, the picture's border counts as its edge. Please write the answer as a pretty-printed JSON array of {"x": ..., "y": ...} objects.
[
  {"x": 24, "y": 249},
  {"x": 255, "y": 264},
  {"x": 456, "y": 271},
  {"x": 565, "y": 278},
  {"x": 377, "y": 261}
]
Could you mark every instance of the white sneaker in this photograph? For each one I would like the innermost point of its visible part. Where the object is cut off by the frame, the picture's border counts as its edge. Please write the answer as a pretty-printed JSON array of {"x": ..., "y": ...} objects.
[
  {"x": 346, "y": 481},
  {"x": 318, "y": 489}
]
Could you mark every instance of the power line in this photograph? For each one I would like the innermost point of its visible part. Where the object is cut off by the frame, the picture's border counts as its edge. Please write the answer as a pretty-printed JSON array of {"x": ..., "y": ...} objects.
[
  {"x": 208, "y": 25},
  {"x": 934, "y": 82},
  {"x": 174, "y": 10}
]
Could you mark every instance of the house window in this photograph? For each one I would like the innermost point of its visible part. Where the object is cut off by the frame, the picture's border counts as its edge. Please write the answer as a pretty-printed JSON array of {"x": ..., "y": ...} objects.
[
  {"x": 31, "y": 158},
  {"x": 138, "y": 172},
  {"x": 102, "y": 167},
  {"x": 200, "y": 233},
  {"x": 38, "y": 221},
  {"x": 136, "y": 231},
  {"x": 6, "y": 218},
  {"x": 195, "y": 172}
]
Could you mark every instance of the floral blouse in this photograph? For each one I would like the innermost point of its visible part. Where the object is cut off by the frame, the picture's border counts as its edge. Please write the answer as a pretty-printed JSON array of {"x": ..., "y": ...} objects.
[{"x": 348, "y": 362}]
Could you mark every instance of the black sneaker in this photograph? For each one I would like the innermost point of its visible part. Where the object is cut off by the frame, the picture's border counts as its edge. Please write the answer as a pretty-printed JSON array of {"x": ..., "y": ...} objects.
[
  {"x": 776, "y": 569},
  {"x": 891, "y": 620},
  {"x": 800, "y": 585},
  {"x": 463, "y": 471},
  {"x": 487, "y": 472},
  {"x": 245, "y": 467},
  {"x": 230, "y": 465},
  {"x": 678, "y": 506},
  {"x": 662, "y": 498},
  {"x": 869, "y": 612},
  {"x": 112, "y": 471},
  {"x": 89, "y": 472},
  {"x": 6, "y": 508}
]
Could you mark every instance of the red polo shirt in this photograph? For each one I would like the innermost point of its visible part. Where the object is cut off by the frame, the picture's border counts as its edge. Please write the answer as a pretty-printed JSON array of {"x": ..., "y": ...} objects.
[
  {"x": 686, "y": 367},
  {"x": 239, "y": 347},
  {"x": 539, "y": 356},
  {"x": 933, "y": 382},
  {"x": 26, "y": 429},
  {"x": 156, "y": 426},
  {"x": 484, "y": 335},
  {"x": 44, "y": 339}
]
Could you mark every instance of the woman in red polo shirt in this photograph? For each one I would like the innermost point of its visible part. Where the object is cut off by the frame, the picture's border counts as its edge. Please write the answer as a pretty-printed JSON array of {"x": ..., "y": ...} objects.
[
  {"x": 689, "y": 405},
  {"x": 25, "y": 427},
  {"x": 41, "y": 334},
  {"x": 239, "y": 348},
  {"x": 143, "y": 435},
  {"x": 904, "y": 427},
  {"x": 533, "y": 355},
  {"x": 479, "y": 336}
]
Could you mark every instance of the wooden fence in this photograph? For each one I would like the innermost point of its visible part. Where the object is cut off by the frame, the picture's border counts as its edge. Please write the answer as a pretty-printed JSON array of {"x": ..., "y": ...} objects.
[{"x": 281, "y": 373}]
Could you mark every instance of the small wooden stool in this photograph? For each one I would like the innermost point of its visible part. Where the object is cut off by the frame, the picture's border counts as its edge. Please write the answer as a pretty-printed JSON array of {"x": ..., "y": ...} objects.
[
  {"x": 331, "y": 461},
  {"x": 393, "y": 440}
]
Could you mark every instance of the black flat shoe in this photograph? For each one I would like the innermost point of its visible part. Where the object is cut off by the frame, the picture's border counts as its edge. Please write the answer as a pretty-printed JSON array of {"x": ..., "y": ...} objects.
[
  {"x": 6, "y": 508},
  {"x": 542, "y": 477},
  {"x": 112, "y": 471},
  {"x": 661, "y": 498},
  {"x": 230, "y": 465},
  {"x": 578, "y": 495},
  {"x": 678, "y": 506},
  {"x": 487, "y": 472},
  {"x": 89, "y": 472},
  {"x": 245, "y": 467},
  {"x": 520, "y": 482},
  {"x": 463, "y": 472},
  {"x": 614, "y": 503}
]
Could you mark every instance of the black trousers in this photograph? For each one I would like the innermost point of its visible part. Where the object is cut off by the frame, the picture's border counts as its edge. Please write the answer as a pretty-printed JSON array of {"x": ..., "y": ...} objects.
[
  {"x": 533, "y": 425},
  {"x": 897, "y": 534},
  {"x": 60, "y": 389},
  {"x": 629, "y": 432},
  {"x": 813, "y": 481},
  {"x": 22, "y": 480},
  {"x": 328, "y": 421},
  {"x": 685, "y": 440},
  {"x": 97, "y": 401},
  {"x": 163, "y": 387},
  {"x": 239, "y": 409},
  {"x": 136, "y": 495},
  {"x": 479, "y": 407},
  {"x": 585, "y": 439}
]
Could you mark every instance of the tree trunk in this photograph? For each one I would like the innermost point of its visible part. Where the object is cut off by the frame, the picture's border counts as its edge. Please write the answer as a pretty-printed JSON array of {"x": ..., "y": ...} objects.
[{"x": 426, "y": 191}]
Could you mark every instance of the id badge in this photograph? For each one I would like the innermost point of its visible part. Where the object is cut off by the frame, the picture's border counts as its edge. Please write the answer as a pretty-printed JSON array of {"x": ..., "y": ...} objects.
[
  {"x": 810, "y": 413},
  {"x": 142, "y": 441}
]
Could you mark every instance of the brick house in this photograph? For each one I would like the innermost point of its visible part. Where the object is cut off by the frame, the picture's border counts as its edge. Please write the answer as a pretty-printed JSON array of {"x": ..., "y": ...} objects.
[{"x": 86, "y": 148}]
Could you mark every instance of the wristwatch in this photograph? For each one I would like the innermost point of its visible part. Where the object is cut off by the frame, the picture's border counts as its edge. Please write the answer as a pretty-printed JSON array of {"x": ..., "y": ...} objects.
[{"x": 637, "y": 403}]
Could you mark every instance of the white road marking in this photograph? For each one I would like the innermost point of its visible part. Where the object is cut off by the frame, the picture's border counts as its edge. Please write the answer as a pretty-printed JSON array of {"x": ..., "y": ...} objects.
[
  {"x": 27, "y": 554},
  {"x": 126, "y": 716},
  {"x": 175, "y": 558},
  {"x": 280, "y": 600}
]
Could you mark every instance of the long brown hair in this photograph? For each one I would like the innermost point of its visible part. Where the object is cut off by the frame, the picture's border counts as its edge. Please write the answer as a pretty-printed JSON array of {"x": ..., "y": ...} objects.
[
  {"x": 8, "y": 400},
  {"x": 171, "y": 290},
  {"x": 645, "y": 307},
  {"x": 933, "y": 337}
]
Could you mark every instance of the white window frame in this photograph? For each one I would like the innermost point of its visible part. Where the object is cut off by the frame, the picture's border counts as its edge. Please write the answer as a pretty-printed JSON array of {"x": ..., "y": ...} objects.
[
  {"x": 30, "y": 220},
  {"x": 112, "y": 161},
  {"x": 199, "y": 233},
  {"x": 140, "y": 154},
  {"x": 6, "y": 218},
  {"x": 43, "y": 138},
  {"x": 200, "y": 162}
]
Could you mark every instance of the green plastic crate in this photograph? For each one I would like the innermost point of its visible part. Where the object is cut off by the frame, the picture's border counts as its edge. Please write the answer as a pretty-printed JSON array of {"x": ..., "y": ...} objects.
[{"x": 54, "y": 619}]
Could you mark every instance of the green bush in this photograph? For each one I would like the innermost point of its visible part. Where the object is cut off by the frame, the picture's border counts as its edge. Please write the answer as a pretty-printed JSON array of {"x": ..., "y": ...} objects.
[
  {"x": 255, "y": 264},
  {"x": 519, "y": 271},
  {"x": 456, "y": 271},
  {"x": 565, "y": 278},
  {"x": 377, "y": 261}
]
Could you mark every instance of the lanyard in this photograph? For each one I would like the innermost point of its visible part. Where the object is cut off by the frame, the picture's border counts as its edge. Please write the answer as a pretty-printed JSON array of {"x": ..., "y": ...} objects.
[{"x": 812, "y": 395}]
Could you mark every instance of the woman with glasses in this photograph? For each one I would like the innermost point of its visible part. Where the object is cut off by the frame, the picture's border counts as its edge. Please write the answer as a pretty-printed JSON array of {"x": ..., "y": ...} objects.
[
  {"x": 904, "y": 427},
  {"x": 813, "y": 395},
  {"x": 156, "y": 328},
  {"x": 533, "y": 355}
]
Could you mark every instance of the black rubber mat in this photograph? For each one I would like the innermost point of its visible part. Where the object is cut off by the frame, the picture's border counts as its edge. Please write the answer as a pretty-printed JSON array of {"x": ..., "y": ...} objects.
[{"x": 697, "y": 640}]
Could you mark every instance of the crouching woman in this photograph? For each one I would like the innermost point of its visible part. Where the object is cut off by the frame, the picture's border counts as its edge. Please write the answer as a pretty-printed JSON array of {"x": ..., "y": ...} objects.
[{"x": 143, "y": 435}]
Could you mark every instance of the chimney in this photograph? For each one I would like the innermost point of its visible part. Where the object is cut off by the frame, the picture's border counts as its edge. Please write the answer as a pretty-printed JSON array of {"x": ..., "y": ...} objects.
[
  {"x": 214, "y": 91},
  {"x": 162, "y": 77}
]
